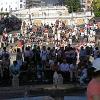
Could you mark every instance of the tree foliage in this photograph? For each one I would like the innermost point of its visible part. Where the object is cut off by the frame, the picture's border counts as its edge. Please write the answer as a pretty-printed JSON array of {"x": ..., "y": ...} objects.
[
  {"x": 73, "y": 5},
  {"x": 96, "y": 7},
  {"x": 10, "y": 23}
]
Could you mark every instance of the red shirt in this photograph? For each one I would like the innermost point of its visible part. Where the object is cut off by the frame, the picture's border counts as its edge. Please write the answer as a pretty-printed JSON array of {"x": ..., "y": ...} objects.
[
  {"x": 19, "y": 44},
  {"x": 93, "y": 89}
]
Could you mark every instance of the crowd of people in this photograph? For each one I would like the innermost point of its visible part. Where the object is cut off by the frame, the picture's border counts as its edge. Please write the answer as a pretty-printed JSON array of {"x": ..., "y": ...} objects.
[
  {"x": 58, "y": 34},
  {"x": 36, "y": 62},
  {"x": 40, "y": 64}
]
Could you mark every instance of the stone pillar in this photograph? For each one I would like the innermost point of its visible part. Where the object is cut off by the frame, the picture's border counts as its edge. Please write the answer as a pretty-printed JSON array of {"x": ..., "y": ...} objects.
[{"x": 15, "y": 81}]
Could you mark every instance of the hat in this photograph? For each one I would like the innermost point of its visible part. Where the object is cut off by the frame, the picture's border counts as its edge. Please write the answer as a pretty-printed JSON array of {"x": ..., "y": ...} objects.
[{"x": 96, "y": 64}]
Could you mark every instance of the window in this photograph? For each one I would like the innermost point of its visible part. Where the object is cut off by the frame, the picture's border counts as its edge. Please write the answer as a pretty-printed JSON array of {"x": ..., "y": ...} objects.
[
  {"x": 16, "y": 14},
  {"x": 59, "y": 13},
  {"x": 6, "y": 9},
  {"x": 20, "y": 5},
  {"x": 10, "y": 9},
  {"x": 1, "y": 9}
]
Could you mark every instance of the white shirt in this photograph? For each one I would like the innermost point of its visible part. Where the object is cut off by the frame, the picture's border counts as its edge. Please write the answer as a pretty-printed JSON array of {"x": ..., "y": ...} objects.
[
  {"x": 10, "y": 35},
  {"x": 82, "y": 34},
  {"x": 6, "y": 35},
  {"x": 43, "y": 55},
  {"x": 85, "y": 32},
  {"x": 51, "y": 62},
  {"x": 74, "y": 33}
]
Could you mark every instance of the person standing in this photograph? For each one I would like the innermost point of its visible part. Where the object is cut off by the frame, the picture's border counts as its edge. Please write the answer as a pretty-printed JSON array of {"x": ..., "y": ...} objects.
[
  {"x": 19, "y": 57},
  {"x": 93, "y": 89},
  {"x": 43, "y": 55},
  {"x": 15, "y": 72}
]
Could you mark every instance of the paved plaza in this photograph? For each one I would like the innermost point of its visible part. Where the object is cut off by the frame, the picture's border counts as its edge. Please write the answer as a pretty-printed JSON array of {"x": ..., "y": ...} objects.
[{"x": 48, "y": 98}]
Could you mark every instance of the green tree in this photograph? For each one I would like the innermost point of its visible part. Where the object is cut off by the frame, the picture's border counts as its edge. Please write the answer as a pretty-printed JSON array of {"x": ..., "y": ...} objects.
[
  {"x": 96, "y": 7},
  {"x": 73, "y": 5}
]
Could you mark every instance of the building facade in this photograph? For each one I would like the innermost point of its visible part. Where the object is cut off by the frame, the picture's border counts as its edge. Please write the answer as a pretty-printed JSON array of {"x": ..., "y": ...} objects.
[
  {"x": 48, "y": 15},
  {"x": 11, "y": 5}
]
